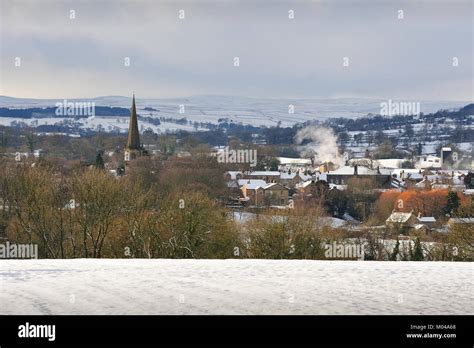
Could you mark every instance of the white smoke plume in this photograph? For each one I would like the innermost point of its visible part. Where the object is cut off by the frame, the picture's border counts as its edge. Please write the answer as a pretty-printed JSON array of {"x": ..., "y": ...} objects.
[{"x": 322, "y": 145}]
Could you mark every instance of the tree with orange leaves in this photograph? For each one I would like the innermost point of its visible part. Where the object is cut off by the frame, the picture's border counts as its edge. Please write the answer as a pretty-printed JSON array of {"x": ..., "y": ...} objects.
[{"x": 426, "y": 203}]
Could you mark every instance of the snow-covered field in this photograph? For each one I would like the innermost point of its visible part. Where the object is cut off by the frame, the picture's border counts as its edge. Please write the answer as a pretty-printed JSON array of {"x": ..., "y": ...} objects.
[
  {"x": 253, "y": 111},
  {"x": 104, "y": 123},
  {"x": 136, "y": 286}
]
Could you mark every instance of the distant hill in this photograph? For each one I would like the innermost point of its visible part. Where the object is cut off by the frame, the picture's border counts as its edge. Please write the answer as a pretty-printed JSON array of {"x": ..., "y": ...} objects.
[{"x": 251, "y": 111}]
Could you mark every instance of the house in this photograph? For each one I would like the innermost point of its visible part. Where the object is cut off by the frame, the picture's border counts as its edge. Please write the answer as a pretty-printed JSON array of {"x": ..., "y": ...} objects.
[
  {"x": 294, "y": 164},
  {"x": 426, "y": 219},
  {"x": 310, "y": 187},
  {"x": 251, "y": 190},
  {"x": 424, "y": 184},
  {"x": 343, "y": 174},
  {"x": 276, "y": 194},
  {"x": 305, "y": 187},
  {"x": 429, "y": 162},
  {"x": 233, "y": 175},
  {"x": 467, "y": 222},
  {"x": 401, "y": 221},
  {"x": 291, "y": 179},
  {"x": 390, "y": 163},
  {"x": 404, "y": 222},
  {"x": 258, "y": 192},
  {"x": 268, "y": 176}
]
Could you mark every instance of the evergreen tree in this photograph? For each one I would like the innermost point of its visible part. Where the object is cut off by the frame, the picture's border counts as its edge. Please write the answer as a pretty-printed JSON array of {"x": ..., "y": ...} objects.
[
  {"x": 417, "y": 252},
  {"x": 409, "y": 133},
  {"x": 419, "y": 149},
  {"x": 452, "y": 204},
  {"x": 99, "y": 161},
  {"x": 395, "y": 252},
  {"x": 469, "y": 180}
]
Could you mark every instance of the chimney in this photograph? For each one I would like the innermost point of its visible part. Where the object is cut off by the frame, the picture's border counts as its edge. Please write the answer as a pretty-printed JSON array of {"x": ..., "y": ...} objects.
[{"x": 355, "y": 170}]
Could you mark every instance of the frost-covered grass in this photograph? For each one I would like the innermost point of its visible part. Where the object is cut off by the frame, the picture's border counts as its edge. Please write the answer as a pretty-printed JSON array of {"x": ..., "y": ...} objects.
[{"x": 137, "y": 286}]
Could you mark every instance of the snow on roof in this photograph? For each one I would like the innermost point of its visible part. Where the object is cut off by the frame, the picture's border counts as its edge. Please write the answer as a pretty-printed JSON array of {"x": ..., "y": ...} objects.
[
  {"x": 288, "y": 160},
  {"x": 287, "y": 176},
  {"x": 338, "y": 187},
  {"x": 332, "y": 222},
  {"x": 406, "y": 171},
  {"x": 233, "y": 174},
  {"x": 426, "y": 219},
  {"x": 399, "y": 217},
  {"x": 440, "y": 186},
  {"x": 423, "y": 183},
  {"x": 414, "y": 176},
  {"x": 461, "y": 221},
  {"x": 272, "y": 185},
  {"x": 304, "y": 177},
  {"x": 418, "y": 226},
  {"x": 264, "y": 173},
  {"x": 392, "y": 163},
  {"x": 303, "y": 184},
  {"x": 252, "y": 184},
  {"x": 349, "y": 218},
  {"x": 347, "y": 170}
]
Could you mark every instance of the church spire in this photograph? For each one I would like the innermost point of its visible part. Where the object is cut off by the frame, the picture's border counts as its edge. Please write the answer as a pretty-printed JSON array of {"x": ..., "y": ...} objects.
[{"x": 133, "y": 142}]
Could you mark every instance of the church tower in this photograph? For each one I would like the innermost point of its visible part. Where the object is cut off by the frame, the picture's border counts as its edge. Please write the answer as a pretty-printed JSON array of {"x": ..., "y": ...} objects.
[{"x": 133, "y": 149}]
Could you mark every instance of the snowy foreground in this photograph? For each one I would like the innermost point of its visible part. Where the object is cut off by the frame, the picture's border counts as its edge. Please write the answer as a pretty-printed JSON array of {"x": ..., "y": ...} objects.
[{"x": 234, "y": 287}]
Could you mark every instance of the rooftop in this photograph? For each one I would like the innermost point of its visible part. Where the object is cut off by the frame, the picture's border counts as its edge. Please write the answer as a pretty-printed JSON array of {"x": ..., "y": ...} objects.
[
  {"x": 252, "y": 184},
  {"x": 264, "y": 173},
  {"x": 347, "y": 170},
  {"x": 399, "y": 217}
]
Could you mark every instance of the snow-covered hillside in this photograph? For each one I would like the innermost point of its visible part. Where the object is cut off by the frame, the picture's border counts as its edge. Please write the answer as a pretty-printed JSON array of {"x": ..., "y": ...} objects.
[
  {"x": 133, "y": 286},
  {"x": 261, "y": 111}
]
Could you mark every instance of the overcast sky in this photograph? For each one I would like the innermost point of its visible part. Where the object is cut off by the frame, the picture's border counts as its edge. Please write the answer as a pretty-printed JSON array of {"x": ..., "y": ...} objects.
[{"x": 410, "y": 58}]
